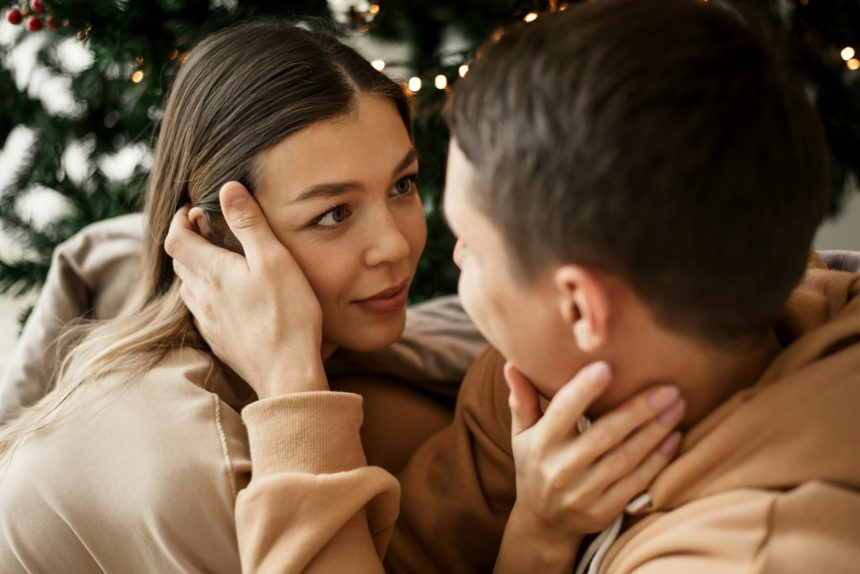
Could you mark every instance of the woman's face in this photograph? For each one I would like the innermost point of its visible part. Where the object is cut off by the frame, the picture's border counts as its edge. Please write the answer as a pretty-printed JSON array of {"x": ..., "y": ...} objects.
[{"x": 341, "y": 196}]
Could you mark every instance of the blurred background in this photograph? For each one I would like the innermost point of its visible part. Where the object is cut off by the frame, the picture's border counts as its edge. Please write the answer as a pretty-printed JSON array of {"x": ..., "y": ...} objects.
[{"x": 82, "y": 83}]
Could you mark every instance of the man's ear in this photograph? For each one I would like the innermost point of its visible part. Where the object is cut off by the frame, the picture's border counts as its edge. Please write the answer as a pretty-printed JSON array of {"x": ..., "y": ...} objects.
[
  {"x": 584, "y": 304},
  {"x": 200, "y": 222}
]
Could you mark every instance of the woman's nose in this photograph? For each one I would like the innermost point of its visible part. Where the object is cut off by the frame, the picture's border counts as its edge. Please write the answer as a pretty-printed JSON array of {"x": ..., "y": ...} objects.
[{"x": 388, "y": 242}]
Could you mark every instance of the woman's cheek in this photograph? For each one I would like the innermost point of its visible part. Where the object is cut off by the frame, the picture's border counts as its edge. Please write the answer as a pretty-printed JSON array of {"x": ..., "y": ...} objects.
[{"x": 330, "y": 271}]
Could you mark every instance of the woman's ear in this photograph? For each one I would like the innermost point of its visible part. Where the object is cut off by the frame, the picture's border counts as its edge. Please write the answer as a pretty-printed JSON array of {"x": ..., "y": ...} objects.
[
  {"x": 584, "y": 305},
  {"x": 200, "y": 222}
]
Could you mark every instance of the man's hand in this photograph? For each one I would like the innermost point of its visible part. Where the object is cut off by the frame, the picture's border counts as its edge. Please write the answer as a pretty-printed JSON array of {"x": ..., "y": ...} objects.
[
  {"x": 257, "y": 312},
  {"x": 571, "y": 484}
]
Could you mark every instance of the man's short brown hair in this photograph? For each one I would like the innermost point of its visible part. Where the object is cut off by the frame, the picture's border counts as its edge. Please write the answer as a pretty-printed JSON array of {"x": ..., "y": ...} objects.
[{"x": 660, "y": 140}]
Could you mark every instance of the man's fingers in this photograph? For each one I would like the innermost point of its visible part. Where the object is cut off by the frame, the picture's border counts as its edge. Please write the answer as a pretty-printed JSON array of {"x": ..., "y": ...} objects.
[
  {"x": 523, "y": 400},
  {"x": 571, "y": 401},
  {"x": 185, "y": 245},
  {"x": 247, "y": 222}
]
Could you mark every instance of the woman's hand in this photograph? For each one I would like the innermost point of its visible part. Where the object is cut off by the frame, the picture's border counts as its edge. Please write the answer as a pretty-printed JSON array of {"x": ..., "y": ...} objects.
[
  {"x": 257, "y": 312},
  {"x": 571, "y": 484}
]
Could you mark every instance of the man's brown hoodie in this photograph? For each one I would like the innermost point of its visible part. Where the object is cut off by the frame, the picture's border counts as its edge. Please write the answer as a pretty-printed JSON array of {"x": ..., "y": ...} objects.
[{"x": 768, "y": 482}]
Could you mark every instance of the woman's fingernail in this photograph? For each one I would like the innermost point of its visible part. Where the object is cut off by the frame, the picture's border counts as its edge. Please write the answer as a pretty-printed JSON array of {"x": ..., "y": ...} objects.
[
  {"x": 238, "y": 200},
  {"x": 663, "y": 397},
  {"x": 671, "y": 444},
  {"x": 599, "y": 374},
  {"x": 673, "y": 413}
]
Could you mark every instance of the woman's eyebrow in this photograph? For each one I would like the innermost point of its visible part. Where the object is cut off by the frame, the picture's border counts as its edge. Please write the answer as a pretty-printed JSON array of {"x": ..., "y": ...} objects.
[
  {"x": 330, "y": 190},
  {"x": 407, "y": 160},
  {"x": 327, "y": 190}
]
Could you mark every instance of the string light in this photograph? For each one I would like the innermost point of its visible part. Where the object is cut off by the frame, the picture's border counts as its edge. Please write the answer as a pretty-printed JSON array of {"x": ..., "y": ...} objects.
[
  {"x": 85, "y": 33},
  {"x": 531, "y": 17},
  {"x": 464, "y": 69},
  {"x": 441, "y": 82},
  {"x": 414, "y": 84},
  {"x": 374, "y": 9},
  {"x": 378, "y": 65},
  {"x": 847, "y": 53},
  {"x": 853, "y": 64},
  {"x": 137, "y": 77},
  {"x": 138, "y": 60}
]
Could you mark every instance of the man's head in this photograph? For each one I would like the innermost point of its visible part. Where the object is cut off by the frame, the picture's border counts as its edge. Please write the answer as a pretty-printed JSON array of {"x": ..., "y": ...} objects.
[{"x": 642, "y": 164}]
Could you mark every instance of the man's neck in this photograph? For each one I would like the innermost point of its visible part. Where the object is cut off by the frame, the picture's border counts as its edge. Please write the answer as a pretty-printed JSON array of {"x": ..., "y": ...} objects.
[{"x": 706, "y": 376}]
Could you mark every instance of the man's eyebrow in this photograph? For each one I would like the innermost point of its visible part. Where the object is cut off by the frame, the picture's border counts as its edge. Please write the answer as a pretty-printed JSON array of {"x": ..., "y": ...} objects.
[{"x": 330, "y": 190}]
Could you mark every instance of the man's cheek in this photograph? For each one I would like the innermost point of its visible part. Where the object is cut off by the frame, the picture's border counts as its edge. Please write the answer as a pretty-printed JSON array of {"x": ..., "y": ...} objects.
[
  {"x": 465, "y": 291},
  {"x": 470, "y": 298}
]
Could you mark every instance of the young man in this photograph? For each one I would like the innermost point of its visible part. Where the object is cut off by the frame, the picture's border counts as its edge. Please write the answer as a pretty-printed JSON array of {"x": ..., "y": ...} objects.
[
  {"x": 638, "y": 182},
  {"x": 635, "y": 185}
]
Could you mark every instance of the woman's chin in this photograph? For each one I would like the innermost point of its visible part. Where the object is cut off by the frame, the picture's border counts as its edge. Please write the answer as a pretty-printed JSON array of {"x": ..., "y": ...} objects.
[{"x": 374, "y": 335}]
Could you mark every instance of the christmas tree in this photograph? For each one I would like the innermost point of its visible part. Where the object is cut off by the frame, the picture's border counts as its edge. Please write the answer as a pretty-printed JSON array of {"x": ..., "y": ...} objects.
[{"x": 134, "y": 48}]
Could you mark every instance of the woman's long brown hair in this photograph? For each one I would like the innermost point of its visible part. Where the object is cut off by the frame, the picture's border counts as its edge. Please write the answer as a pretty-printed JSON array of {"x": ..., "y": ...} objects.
[{"x": 240, "y": 92}]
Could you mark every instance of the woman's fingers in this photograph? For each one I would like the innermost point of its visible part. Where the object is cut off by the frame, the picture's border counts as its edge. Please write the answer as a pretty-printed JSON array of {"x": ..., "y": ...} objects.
[
  {"x": 571, "y": 401},
  {"x": 619, "y": 495},
  {"x": 191, "y": 301},
  {"x": 581, "y": 483},
  {"x": 523, "y": 400},
  {"x": 185, "y": 244},
  {"x": 252, "y": 230},
  {"x": 624, "y": 459},
  {"x": 612, "y": 428}
]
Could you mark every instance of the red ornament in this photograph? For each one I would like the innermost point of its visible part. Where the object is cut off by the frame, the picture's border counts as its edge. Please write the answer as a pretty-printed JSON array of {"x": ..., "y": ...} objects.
[
  {"x": 34, "y": 24},
  {"x": 37, "y": 6},
  {"x": 52, "y": 23},
  {"x": 14, "y": 16}
]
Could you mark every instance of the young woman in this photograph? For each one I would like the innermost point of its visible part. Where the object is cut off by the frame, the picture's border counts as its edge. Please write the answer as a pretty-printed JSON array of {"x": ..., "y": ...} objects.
[{"x": 132, "y": 463}]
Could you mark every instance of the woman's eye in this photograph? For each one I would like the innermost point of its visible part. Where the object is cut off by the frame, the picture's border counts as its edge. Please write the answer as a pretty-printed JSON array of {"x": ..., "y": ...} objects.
[
  {"x": 334, "y": 216},
  {"x": 406, "y": 184}
]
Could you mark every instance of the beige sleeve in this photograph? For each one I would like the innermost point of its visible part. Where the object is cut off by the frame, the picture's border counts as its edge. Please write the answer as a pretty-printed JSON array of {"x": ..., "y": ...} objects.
[{"x": 312, "y": 504}]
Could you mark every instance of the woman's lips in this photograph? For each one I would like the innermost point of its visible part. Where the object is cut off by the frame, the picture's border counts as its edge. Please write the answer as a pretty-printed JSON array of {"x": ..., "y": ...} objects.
[{"x": 388, "y": 302}]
